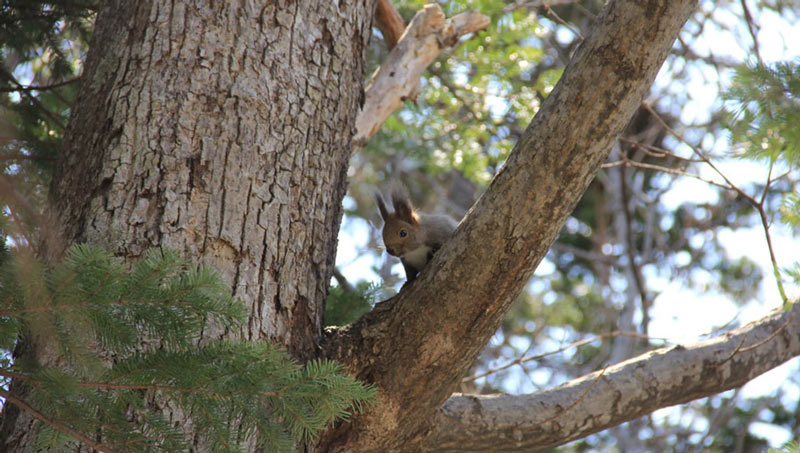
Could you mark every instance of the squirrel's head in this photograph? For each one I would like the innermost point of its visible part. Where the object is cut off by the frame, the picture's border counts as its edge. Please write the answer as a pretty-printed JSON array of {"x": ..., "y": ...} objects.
[{"x": 401, "y": 229}]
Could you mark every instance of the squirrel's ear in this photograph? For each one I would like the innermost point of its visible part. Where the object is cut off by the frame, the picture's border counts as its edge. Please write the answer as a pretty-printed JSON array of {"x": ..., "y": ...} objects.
[
  {"x": 403, "y": 208},
  {"x": 381, "y": 207}
]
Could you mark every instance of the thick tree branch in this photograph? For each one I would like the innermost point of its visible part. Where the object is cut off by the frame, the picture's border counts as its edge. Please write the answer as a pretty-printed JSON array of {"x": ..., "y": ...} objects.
[
  {"x": 389, "y": 22},
  {"x": 417, "y": 346},
  {"x": 627, "y": 390},
  {"x": 398, "y": 78}
]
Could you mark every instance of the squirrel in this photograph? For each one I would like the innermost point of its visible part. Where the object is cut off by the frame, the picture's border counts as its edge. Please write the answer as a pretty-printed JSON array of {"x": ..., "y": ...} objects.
[{"x": 411, "y": 235}]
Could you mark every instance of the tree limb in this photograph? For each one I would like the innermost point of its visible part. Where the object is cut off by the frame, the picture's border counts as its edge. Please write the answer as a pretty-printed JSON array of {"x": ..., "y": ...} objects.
[
  {"x": 630, "y": 389},
  {"x": 398, "y": 77},
  {"x": 417, "y": 346},
  {"x": 389, "y": 22}
]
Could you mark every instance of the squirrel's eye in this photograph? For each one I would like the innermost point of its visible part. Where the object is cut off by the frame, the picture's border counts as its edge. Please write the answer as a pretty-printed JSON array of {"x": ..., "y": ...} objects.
[{"x": 403, "y": 233}]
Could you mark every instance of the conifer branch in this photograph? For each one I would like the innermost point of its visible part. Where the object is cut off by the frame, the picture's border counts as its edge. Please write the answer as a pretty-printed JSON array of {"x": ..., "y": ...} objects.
[
  {"x": 152, "y": 387},
  {"x": 92, "y": 297},
  {"x": 54, "y": 423}
]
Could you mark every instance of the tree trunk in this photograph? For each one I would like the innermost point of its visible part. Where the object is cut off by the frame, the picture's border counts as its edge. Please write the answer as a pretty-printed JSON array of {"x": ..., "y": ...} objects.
[{"x": 221, "y": 130}]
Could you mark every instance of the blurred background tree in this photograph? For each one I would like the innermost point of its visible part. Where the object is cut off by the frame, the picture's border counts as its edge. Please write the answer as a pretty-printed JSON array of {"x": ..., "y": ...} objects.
[{"x": 661, "y": 249}]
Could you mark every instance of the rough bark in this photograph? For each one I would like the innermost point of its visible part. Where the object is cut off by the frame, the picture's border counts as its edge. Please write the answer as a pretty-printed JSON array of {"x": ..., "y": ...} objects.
[
  {"x": 418, "y": 345},
  {"x": 222, "y": 130},
  {"x": 630, "y": 389}
]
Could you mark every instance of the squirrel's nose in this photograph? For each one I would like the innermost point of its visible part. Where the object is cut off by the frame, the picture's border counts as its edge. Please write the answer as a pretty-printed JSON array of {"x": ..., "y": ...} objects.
[{"x": 391, "y": 251}]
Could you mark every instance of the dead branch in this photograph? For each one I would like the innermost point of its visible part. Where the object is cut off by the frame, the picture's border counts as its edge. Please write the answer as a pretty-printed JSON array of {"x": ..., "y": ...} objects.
[{"x": 398, "y": 78}]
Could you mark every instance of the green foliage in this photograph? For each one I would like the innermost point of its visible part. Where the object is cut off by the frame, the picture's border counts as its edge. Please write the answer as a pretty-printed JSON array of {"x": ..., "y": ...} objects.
[
  {"x": 345, "y": 306},
  {"x": 91, "y": 295},
  {"x": 790, "y": 211},
  {"x": 766, "y": 111},
  {"x": 475, "y": 99},
  {"x": 42, "y": 45},
  {"x": 790, "y": 447},
  {"x": 794, "y": 271},
  {"x": 233, "y": 390},
  {"x": 763, "y": 116}
]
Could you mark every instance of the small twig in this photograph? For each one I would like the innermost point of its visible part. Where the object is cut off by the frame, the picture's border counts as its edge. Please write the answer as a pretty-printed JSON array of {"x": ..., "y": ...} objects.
[
  {"x": 153, "y": 387},
  {"x": 20, "y": 156},
  {"x": 655, "y": 151},
  {"x": 561, "y": 21},
  {"x": 755, "y": 203},
  {"x": 739, "y": 348},
  {"x": 521, "y": 360},
  {"x": 342, "y": 280},
  {"x": 769, "y": 181},
  {"x": 631, "y": 243},
  {"x": 751, "y": 27},
  {"x": 81, "y": 306},
  {"x": 698, "y": 152},
  {"x": 536, "y": 4},
  {"x": 53, "y": 117},
  {"x": 716, "y": 61},
  {"x": 55, "y": 424},
  {"x": 771, "y": 337},
  {"x": 723, "y": 326},
  {"x": 583, "y": 254},
  {"x": 40, "y": 87},
  {"x": 672, "y": 171},
  {"x": 775, "y": 268}
]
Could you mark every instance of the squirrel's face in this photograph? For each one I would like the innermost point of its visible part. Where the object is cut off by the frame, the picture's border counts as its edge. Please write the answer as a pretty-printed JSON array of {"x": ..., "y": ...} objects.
[
  {"x": 401, "y": 230},
  {"x": 400, "y": 236}
]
